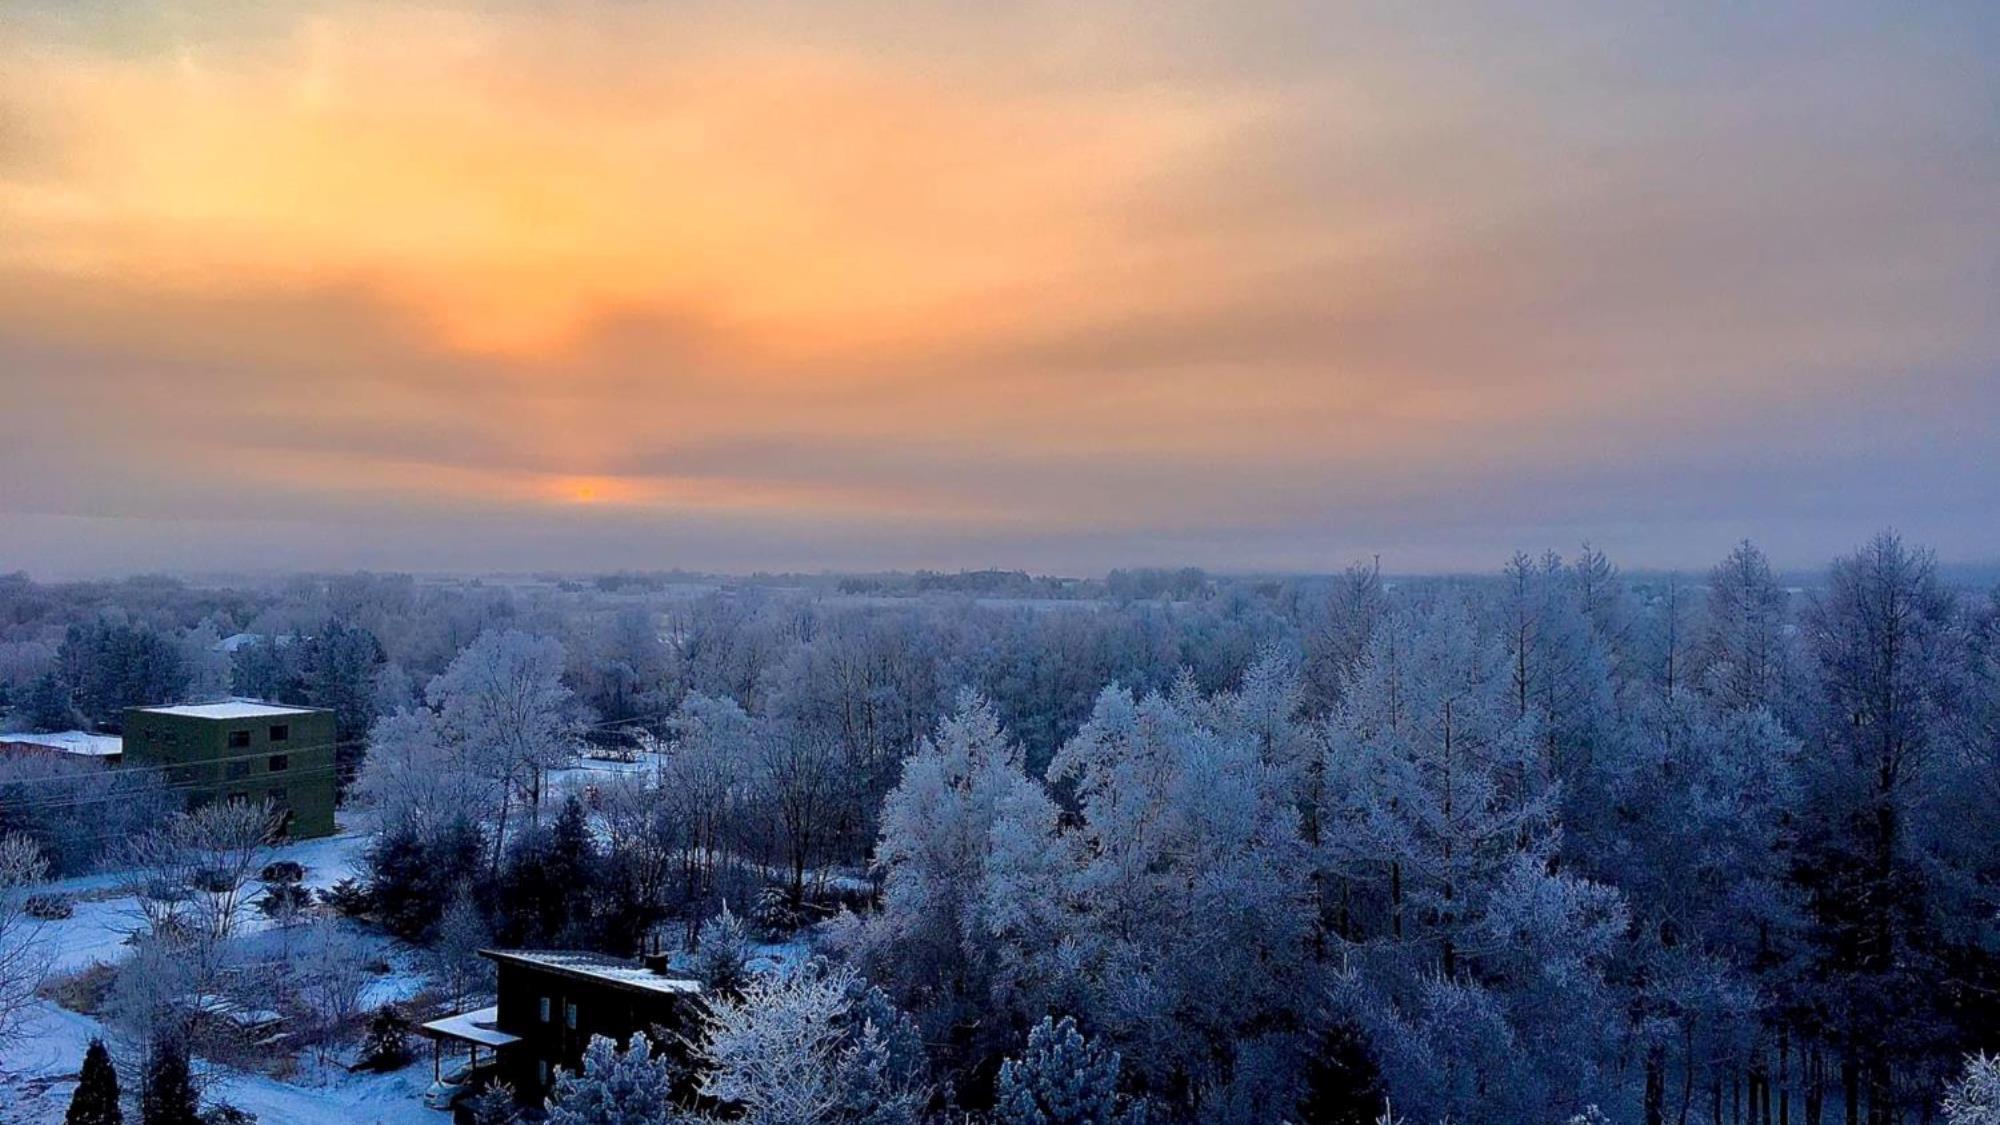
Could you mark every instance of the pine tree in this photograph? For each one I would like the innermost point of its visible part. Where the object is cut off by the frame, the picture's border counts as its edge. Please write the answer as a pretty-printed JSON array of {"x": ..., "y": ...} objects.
[
  {"x": 615, "y": 1088},
  {"x": 96, "y": 1099},
  {"x": 721, "y": 963},
  {"x": 1974, "y": 1099},
  {"x": 494, "y": 1105},
  {"x": 1061, "y": 1080},
  {"x": 169, "y": 1097},
  {"x": 387, "y": 1045},
  {"x": 48, "y": 705}
]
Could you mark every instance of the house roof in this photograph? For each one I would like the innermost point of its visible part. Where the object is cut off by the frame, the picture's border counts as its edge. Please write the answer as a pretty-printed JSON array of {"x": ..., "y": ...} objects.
[
  {"x": 79, "y": 742},
  {"x": 479, "y": 1026},
  {"x": 597, "y": 967},
  {"x": 229, "y": 709}
]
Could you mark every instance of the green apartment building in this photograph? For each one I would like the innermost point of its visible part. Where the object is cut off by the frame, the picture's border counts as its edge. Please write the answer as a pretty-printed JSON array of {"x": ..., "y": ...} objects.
[{"x": 242, "y": 750}]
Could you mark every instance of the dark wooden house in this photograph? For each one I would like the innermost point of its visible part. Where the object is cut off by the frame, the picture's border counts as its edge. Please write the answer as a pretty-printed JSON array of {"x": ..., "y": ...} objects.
[{"x": 552, "y": 1002}]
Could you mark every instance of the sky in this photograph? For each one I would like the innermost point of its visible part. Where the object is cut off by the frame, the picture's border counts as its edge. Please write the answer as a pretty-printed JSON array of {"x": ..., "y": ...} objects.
[{"x": 831, "y": 285}]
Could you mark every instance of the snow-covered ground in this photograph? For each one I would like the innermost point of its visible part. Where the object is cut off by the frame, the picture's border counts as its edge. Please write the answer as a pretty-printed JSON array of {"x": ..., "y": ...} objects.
[{"x": 38, "y": 1073}]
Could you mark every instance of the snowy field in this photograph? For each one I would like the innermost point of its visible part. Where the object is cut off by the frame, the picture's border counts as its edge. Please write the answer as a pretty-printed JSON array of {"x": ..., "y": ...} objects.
[{"x": 38, "y": 1073}]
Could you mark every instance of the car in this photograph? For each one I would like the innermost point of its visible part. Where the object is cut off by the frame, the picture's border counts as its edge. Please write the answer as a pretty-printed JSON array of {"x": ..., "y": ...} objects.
[{"x": 451, "y": 1087}]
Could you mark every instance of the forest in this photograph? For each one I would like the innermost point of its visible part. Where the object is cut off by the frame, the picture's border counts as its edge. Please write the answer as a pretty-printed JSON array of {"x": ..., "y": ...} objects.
[{"x": 1558, "y": 843}]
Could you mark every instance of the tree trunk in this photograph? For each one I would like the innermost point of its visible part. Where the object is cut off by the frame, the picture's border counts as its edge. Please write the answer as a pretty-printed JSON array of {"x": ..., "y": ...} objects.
[
  {"x": 1850, "y": 1088},
  {"x": 1815, "y": 1085},
  {"x": 1784, "y": 1075},
  {"x": 1656, "y": 1085}
]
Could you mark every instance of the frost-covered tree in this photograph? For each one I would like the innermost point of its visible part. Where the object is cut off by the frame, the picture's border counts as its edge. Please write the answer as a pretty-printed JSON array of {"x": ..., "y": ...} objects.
[
  {"x": 1337, "y": 635},
  {"x": 504, "y": 701},
  {"x": 1883, "y": 875},
  {"x": 813, "y": 1045},
  {"x": 936, "y": 846},
  {"x": 1441, "y": 783},
  {"x": 1190, "y": 884},
  {"x": 190, "y": 877},
  {"x": 96, "y": 1099},
  {"x": 1744, "y": 652},
  {"x": 23, "y": 959},
  {"x": 617, "y": 1086},
  {"x": 722, "y": 962},
  {"x": 453, "y": 959},
  {"x": 703, "y": 795},
  {"x": 1974, "y": 1099},
  {"x": 1061, "y": 1079}
]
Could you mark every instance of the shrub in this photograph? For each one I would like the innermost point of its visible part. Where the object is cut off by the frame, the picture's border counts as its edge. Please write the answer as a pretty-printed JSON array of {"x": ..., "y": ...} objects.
[
  {"x": 50, "y": 907},
  {"x": 282, "y": 871},
  {"x": 348, "y": 898}
]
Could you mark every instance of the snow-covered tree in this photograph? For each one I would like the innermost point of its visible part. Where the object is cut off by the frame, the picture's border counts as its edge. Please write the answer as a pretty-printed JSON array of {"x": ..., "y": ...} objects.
[
  {"x": 1744, "y": 651},
  {"x": 453, "y": 959},
  {"x": 617, "y": 1086},
  {"x": 190, "y": 877},
  {"x": 1974, "y": 1099},
  {"x": 503, "y": 698},
  {"x": 1441, "y": 781},
  {"x": 722, "y": 962},
  {"x": 1061, "y": 1079},
  {"x": 23, "y": 959},
  {"x": 702, "y": 794},
  {"x": 1190, "y": 880},
  {"x": 421, "y": 778},
  {"x": 936, "y": 845},
  {"x": 813, "y": 1045}
]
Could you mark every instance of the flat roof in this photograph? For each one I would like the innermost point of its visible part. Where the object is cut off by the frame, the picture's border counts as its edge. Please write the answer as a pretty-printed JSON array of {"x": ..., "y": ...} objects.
[
  {"x": 79, "y": 742},
  {"x": 598, "y": 967},
  {"x": 481, "y": 1026},
  {"x": 229, "y": 709}
]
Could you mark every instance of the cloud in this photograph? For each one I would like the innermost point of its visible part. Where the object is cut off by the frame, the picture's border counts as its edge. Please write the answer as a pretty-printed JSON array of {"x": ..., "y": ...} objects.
[{"x": 902, "y": 287}]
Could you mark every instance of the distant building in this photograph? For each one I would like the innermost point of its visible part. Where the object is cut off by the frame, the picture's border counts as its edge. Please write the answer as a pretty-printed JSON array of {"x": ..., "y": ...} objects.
[
  {"x": 75, "y": 745},
  {"x": 550, "y": 1004},
  {"x": 242, "y": 750}
]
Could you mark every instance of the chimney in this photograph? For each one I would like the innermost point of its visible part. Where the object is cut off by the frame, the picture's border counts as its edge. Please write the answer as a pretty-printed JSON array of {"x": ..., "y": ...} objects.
[{"x": 656, "y": 963}]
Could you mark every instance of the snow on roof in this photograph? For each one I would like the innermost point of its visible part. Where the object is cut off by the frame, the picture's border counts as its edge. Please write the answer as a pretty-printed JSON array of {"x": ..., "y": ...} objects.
[
  {"x": 478, "y": 1026},
  {"x": 79, "y": 742},
  {"x": 598, "y": 967},
  {"x": 228, "y": 709}
]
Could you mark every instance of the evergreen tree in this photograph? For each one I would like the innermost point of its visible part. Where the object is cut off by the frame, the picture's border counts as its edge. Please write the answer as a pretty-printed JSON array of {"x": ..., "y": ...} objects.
[
  {"x": 1974, "y": 1099},
  {"x": 387, "y": 1045},
  {"x": 494, "y": 1105},
  {"x": 48, "y": 705},
  {"x": 1061, "y": 1080},
  {"x": 168, "y": 1097},
  {"x": 616, "y": 1087},
  {"x": 721, "y": 964},
  {"x": 96, "y": 1099}
]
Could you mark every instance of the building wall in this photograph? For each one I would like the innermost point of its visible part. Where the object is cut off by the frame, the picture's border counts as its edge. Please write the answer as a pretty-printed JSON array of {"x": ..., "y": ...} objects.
[{"x": 205, "y": 767}]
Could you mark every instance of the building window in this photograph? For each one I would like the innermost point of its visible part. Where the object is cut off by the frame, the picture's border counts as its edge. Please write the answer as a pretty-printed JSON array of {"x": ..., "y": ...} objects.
[
  {"x": 238, "y": 770},
  {"x": 280, "y": 732},
  {"x": 280, "y": 762},
  {"x": 569, "y": 1014},
  {"x": 542, "y": 1069},
  {"x": 545, "y": 1009},
  {"x": 239, "y": 739}
]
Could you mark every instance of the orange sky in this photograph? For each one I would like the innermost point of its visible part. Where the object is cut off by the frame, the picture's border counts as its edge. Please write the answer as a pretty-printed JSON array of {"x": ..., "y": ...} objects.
[{"x": 871, "y": 285}]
